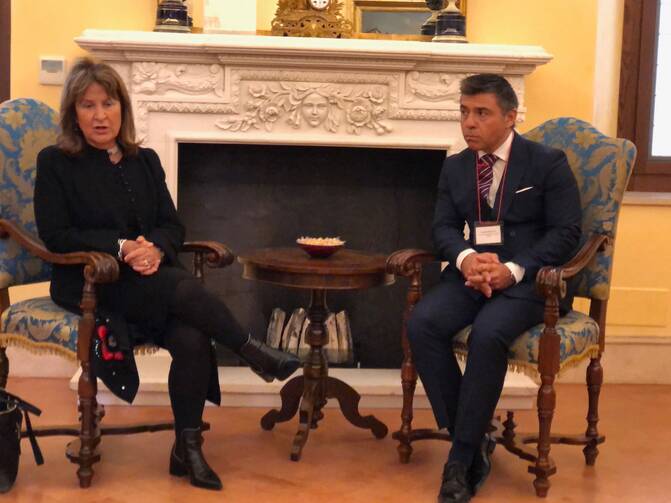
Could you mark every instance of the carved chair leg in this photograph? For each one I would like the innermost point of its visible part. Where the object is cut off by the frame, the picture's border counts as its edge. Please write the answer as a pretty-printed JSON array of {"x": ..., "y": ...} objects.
[
  {"x": 4, "y": 368},
  {"x": 89, "y": 431},
  {"x": 87, "y": 388},
  {"x": 548, "y": 281},
  {"x": 409, "y": 382},
  {"x": 594, "y": 381},
  {"x": 508, "y": 435},
  {"x": 544, "y": 466},
  {"x": 408, "y": 371}
]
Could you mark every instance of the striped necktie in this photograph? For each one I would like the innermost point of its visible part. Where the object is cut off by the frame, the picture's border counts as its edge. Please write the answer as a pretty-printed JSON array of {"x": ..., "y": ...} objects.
[{"x": 485, "y": 174}]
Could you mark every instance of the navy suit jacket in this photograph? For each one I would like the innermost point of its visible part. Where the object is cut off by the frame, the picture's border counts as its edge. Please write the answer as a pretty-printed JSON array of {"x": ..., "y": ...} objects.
[{"x": 541, "y": 225}]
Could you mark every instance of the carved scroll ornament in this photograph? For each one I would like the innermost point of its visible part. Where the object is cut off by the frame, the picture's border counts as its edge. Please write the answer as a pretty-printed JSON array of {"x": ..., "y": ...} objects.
[
  {"x": 157, "y": 78},
  {"x": 432, "y": 86}
]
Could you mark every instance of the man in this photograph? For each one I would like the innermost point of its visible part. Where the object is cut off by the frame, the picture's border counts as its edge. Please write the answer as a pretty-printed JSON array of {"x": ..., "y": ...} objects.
[{"x": 522, "y": 206}]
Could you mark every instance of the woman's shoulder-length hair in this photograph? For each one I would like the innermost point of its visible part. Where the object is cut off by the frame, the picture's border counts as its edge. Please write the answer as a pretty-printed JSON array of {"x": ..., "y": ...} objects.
[{"x": 85, "y": 72}]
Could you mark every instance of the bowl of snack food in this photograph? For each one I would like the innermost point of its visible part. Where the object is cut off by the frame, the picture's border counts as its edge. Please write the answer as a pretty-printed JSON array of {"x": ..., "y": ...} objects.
[{"x": 320, "y": 247}]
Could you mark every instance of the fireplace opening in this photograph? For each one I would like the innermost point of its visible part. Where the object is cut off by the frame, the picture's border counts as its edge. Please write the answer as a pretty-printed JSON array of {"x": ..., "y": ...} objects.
[{"x": 258, "y": 196}]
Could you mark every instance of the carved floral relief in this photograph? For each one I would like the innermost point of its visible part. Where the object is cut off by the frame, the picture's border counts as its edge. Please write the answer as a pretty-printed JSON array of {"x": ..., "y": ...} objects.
[{"x": 312, "y": 106}]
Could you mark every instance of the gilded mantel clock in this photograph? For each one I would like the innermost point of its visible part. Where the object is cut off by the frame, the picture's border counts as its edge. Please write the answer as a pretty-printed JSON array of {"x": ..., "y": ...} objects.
[{"x": 311, "y": 18}]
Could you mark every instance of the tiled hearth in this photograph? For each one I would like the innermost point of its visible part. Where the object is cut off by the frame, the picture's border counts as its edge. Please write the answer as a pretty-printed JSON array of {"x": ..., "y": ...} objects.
[{"x": 240, "y": 387}]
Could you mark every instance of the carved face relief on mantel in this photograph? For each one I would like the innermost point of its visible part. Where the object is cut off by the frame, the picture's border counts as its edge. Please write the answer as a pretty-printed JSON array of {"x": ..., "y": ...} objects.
[
  {"x": 315, "y": 108},
  {"x": 310, "y": 106}
]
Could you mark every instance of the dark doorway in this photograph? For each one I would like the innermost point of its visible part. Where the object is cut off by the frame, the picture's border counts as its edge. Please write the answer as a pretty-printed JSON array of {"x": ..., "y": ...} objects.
[{"x": 5, "y": 46}]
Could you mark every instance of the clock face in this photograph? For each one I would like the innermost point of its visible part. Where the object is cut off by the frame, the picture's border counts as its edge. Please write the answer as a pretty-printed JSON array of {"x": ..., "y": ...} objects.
[{"x": 319, "y": 4}]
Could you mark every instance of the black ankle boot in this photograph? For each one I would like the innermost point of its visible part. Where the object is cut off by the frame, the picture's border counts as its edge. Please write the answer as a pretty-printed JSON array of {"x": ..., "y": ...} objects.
[
  {"x": 267, "y": 362},
  {"x": 186, "y": 458}
]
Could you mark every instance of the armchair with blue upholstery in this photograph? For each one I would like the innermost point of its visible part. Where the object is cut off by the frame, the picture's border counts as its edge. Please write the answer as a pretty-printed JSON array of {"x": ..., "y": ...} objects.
[
  {"x": 38, "y": 324},
  {"x": 602, "y": 167}
]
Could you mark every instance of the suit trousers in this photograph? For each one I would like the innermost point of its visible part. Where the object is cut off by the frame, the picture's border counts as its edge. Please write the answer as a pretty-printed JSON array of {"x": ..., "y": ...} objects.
[{"x": 465, "y": 403}]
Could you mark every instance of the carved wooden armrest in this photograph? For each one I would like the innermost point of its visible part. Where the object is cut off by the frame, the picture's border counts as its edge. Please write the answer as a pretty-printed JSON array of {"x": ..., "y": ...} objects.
[
  {"x": 551, "y": 283},
  {"x": 551, "y": 280},
  {"x": 216, "y": 254},
  {"x": 99, "y": 267},
  {"x": 408, "y": 261}
]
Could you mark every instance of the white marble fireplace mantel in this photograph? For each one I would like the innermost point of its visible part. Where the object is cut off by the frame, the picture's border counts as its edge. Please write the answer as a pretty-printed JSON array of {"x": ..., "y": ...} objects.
[
  {"x": 208, "y": 88},
  {"x": 261, "y": 89}
]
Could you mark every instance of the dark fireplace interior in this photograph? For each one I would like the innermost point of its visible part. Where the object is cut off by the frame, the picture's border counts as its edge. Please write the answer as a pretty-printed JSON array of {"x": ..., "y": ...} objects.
[{"x": 258, "y": 196}]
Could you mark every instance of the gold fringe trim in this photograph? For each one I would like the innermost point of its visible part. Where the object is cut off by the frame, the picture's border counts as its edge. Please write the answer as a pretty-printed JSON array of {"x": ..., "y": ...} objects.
[
  {"x": 37, "y": 348},
  {"x": 531, "y": 370},
  {"x": 146, "y": 349},
  {"x": 50, "y": 348}
]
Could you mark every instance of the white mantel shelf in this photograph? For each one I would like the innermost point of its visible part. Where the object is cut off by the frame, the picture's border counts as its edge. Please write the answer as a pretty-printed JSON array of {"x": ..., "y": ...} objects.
[{"x": 128, "y": 45}]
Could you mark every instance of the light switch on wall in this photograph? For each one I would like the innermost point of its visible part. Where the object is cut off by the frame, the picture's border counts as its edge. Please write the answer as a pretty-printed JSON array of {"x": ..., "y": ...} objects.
[{"x": 52, "y": 70}]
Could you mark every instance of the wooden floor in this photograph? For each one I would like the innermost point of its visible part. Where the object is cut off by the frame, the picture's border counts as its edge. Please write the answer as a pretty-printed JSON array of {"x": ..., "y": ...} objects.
[{"x": 344, "y": 464}]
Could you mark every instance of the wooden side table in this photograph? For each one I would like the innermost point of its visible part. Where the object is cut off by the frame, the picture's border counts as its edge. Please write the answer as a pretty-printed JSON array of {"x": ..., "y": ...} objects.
[{"x": 345, "y": 270}]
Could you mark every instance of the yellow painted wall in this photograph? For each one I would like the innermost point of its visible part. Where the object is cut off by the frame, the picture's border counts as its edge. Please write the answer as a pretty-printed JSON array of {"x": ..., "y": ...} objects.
[
  {"x": 265, "y": 12},
  {"x": 48, "y": 27},
  {"x": 641, "y": 296},
  {"x": 563, "y": 87},
  {"x": 566, "y": 29},
  {"x": 641, "y": 302}
]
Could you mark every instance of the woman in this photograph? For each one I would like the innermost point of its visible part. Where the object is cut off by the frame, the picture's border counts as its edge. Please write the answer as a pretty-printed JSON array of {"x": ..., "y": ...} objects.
[{"x": 97, "y": 190}]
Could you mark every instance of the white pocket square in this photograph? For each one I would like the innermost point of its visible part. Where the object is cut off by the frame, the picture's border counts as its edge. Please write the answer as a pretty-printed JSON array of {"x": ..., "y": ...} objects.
[{"x": 524, "y": 189}]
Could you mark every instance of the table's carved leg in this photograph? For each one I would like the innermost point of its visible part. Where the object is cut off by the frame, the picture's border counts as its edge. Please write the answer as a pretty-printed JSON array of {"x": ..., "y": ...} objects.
[
  {"x": 320, "y": 401},
  {"x": 349, "y": 399},
  {"x": 291, "y": 397},
  {"x": 305, "y": 419},
  {"x": 315, "y": 372}
]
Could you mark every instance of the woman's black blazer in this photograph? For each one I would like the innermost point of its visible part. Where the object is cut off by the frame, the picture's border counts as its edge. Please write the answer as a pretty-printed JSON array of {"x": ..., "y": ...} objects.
[{"x": 86, "y": 203}]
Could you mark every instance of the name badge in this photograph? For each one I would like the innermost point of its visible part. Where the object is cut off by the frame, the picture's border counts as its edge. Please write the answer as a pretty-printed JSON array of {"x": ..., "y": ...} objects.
[{"x": 488, "y": 233}]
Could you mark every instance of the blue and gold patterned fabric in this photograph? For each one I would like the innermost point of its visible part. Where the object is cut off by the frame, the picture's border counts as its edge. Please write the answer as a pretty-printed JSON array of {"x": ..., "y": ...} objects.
[
  {"x": 602, "y": 167},
  {"x": 578, "y": 339},
  {"x": 39, "y": 325},
  {"x": 26, "y": 127}
]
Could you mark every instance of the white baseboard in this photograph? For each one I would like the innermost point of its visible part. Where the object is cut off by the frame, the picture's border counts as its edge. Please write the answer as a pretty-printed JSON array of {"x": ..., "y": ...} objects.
[
  {"x": 23, "y": 363},
  {"x": 630, "y": 360}
]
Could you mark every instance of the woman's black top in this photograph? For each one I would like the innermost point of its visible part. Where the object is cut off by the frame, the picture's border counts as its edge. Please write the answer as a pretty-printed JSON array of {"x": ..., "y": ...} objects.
[{"x": 87, "y": 203}]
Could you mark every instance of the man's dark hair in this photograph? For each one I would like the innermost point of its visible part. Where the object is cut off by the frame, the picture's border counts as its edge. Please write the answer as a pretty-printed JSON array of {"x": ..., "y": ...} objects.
[{"x": 494, "y": 84}]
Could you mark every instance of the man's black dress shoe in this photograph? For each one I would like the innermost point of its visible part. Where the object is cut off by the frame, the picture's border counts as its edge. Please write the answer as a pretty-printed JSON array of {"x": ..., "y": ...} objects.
[
  {"x": 454, "y": 488},
  {"x": 482, "y": 464},
  {"x": 269, "y": 363}
]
